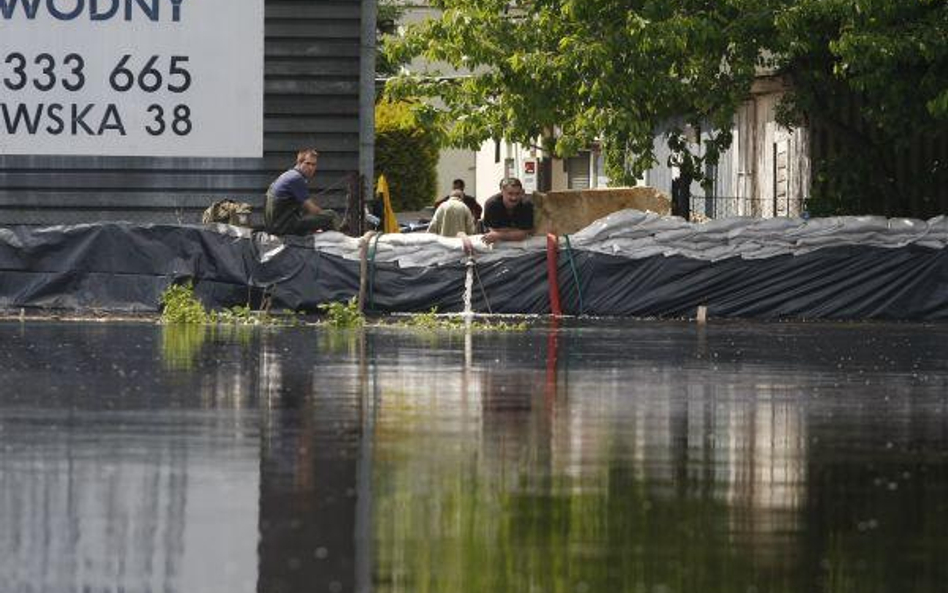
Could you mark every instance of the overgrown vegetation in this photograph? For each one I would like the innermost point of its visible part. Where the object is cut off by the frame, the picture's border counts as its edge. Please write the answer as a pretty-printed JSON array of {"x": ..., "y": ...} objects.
[
  {"x": 180, "y": 307},
  {"x": 406, "y": 152}
]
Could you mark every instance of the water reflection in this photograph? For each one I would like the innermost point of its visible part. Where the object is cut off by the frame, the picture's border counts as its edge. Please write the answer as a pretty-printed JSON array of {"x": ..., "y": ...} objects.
[
  {"x": 310, "y": 438},
  {"x": 106, "y": 482},
  {"x": 644, "y": 457}
]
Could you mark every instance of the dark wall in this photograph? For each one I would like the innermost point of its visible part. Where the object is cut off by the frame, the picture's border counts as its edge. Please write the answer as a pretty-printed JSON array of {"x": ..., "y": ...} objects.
[{"x": 311, "y": 98}]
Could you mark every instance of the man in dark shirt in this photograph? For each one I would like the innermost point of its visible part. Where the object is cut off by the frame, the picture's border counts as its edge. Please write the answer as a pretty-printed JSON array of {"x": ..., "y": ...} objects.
[
  {"x": 289, "y": 209},
  {"x": 507, "y": 215},
  {"x": 469, "y": 201}
]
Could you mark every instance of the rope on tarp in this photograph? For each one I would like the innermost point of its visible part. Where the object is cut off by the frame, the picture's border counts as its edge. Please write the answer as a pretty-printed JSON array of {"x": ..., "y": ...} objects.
[
  {"x": 575, "y": 274},
  {"x": 363, "y": 267},
  {"x": 552, "y": 275},
  {"x": 373, "y": 250}
]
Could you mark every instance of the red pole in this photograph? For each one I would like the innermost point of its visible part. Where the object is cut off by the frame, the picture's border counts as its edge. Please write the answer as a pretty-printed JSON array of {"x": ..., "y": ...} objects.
[{"x": 552, "y": 244}]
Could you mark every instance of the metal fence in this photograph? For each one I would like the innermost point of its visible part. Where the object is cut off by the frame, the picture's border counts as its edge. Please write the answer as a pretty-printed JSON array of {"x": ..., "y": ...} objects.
[{"x": 710, "y": 207}]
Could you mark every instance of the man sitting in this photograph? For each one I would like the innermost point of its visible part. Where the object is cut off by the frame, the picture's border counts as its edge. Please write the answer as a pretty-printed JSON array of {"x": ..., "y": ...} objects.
[
  {"x": 507, "y": 215},
  {"x": 289, "y": 209}
]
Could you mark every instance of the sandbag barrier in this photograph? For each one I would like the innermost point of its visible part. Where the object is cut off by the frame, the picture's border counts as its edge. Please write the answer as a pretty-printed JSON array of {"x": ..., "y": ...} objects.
[{"x": 116, "y": 267}]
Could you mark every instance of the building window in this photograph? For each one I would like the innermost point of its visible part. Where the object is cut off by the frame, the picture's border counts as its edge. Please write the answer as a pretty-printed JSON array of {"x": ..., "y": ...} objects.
[{"x": 577, "y": 171}]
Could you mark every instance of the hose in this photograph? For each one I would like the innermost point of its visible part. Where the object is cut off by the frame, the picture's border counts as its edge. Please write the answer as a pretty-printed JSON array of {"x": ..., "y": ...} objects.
[{"x": 572, "y": 267}]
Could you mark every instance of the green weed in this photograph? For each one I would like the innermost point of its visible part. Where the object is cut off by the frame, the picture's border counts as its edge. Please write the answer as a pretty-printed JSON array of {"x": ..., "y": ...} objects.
[
  {"x": 343, "y": 314},
  {"x": 431, "y": 321},
  {"x": 179, "y": 305}
]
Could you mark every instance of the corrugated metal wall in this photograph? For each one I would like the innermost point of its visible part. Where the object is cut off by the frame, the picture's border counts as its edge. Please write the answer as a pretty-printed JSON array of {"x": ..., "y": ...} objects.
[
  {"x": 311, "y": 98},
  {"x": 765, "y": 171},
  {"x": 660, "y": 175}
]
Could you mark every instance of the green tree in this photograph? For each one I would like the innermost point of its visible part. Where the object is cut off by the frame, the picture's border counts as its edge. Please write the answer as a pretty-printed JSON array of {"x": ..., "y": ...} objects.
[
  {"x": 389, "y": 13},
  {"x": 873, "y": 75},
  {"x": 574, "y": 71},
  {"x": 406, "y": 152}
]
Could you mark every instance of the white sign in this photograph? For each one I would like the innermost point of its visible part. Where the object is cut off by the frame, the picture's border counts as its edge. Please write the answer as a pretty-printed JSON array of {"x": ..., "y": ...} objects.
[
  {"x": 529, "y": 178},
  {"x": 131, "y": 77}
]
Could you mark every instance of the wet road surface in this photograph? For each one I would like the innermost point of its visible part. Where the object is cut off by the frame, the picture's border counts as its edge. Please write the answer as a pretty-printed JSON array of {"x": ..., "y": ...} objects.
[{"x": 597, "y": 456}]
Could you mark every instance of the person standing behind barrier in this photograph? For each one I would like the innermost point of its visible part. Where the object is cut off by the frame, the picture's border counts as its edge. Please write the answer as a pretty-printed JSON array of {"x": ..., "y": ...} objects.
[
  {"x": 507, "y": 215},
  {"x": 289, "y": 209},
  {"x": 452, "y": 217},
  {"x": 469, "y": 201}
]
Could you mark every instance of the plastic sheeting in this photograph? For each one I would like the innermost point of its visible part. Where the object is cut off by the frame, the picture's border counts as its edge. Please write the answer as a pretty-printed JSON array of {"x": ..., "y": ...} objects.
[
  {"x": 629, "y": 263},
  {"x": 637, "y": 235}
]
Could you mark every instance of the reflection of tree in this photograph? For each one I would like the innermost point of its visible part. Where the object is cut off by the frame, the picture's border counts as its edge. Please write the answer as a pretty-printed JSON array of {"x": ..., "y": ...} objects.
[
  {"x": 181, "y": 344},
  {"x": 341, "y": 341},
  {"x": 587, "y": 484}
]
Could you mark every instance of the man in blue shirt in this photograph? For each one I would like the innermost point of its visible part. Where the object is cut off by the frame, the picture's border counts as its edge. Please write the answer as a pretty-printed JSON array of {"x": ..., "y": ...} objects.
[{"x": 289, "y": 209}]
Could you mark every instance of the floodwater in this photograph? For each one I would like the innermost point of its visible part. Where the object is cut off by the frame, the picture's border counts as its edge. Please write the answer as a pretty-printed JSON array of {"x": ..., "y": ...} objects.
[{"x": 608, "y": 456}]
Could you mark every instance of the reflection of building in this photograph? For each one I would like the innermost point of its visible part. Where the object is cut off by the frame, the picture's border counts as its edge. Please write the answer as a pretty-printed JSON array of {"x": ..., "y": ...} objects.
[
  {"x": 575, "y": 451},
  {"x": 119, "y": 475},
  {"x": 145, "y": 464},
  {"x": 110, "y": 504},
  {"x": 740, "y": 443}
]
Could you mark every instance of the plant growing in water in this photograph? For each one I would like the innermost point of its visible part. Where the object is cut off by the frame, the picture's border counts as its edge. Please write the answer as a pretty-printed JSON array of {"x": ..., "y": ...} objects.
[
  {"x": 179, "y": 305},
  {"x": 430, "y": 320},
  {"x": 345, "y": 314},
  {"x": 242, "y": 315}
]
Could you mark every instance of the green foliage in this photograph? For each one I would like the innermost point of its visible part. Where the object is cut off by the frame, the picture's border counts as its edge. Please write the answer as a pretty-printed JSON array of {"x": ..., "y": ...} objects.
[
  {"x": 873, "y": 76},
  {"x": 591, "y": 69},
  {"x": 179, "y": 305},
  {"x": 505, "y": 326},
  {"x": 389, "y": 13},
  {"x": 406, "y": 152},
  {"x": 573, "y": 71},
  {"x": 243, "y": 315},
  {"x": 181, "y": 344},
  {"x": 238, "y": 315},
  {"x": 432, "y": 320},
  {"x": 344, "y": 315}
]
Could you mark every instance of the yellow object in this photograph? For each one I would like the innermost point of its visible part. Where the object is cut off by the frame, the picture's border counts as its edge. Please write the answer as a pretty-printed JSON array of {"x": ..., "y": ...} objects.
[{"x": 390, "y": 222}]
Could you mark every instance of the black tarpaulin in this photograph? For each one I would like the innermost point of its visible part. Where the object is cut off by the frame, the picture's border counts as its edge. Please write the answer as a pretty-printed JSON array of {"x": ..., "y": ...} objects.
[
  {"x": 125, "y": 268},
  {"x": 851, "y": 282}
]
